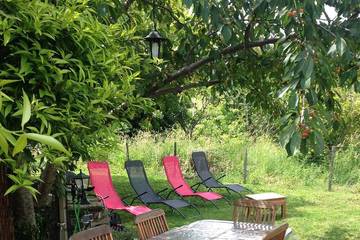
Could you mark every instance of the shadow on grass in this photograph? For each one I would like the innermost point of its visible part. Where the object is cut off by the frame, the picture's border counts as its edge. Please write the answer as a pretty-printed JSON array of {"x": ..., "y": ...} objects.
[
  {"x": 207, "y": 210},
  {"x": 294, "y": 203},
  {"x": 336, "y": 233}
]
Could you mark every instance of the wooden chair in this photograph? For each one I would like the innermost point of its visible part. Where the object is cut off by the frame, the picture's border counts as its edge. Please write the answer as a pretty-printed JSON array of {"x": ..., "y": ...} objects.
[
  {"x": 248, "y": 210},
  {"x": 277, "y": 233},
  {"x": 151, "y": 224},
  {"x": 102, "y": 232}
]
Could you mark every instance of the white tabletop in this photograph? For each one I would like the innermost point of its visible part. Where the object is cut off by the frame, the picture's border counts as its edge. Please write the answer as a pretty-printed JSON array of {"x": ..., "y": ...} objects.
[
  {"x": 265, "y": 196},
  {"x": 216, "y": 229}
]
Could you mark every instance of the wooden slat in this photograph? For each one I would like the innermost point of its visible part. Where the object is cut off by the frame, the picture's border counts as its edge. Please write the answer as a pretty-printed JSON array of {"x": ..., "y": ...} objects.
[
  {"x": 151, "y": 224},
  {"x": 102, "y": 232},
  {"x": 249, "y": 210},
  {"x": 277, "y": 233}
]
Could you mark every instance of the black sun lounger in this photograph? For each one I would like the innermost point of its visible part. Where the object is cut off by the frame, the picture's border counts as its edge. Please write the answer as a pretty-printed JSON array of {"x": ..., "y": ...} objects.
[
  {"x": 146, "y": 194},
  {"x": 207, "y": 179}
]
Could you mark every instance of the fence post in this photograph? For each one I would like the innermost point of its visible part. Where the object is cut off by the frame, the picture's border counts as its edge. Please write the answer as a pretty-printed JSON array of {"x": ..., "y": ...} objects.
[
  {"x": 245, "y": 169},
  {"x": 331, "y": 167},
  {"x": 62, "y": 218},
  {"x": 127, "y": 150}
]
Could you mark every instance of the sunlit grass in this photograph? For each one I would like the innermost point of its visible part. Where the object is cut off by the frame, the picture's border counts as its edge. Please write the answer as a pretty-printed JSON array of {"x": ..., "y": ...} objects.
[{"x": 313, "y": 213}]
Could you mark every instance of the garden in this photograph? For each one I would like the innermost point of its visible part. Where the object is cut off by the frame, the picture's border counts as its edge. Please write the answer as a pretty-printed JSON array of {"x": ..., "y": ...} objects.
[{"x": 179, "y": 114}]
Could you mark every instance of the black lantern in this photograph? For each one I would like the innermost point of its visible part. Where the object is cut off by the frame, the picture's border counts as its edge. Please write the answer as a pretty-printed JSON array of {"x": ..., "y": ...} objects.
[
  {"x": 155, "y": 39},
  {"x": 82, "y": 184}
]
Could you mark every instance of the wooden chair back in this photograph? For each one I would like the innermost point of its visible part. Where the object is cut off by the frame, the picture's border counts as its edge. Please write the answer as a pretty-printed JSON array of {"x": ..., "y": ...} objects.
[
  {"x": 248, "y": 210},
  {"x": 102, "y": 232},
  {"x": 151, "y": 224},
  {"x": 277, "y": 233}
]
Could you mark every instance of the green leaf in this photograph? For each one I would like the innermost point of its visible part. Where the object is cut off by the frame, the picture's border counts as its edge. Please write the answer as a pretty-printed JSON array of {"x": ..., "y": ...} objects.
[
  {"x": 7, "y": 37},
  {"x": 226, "y": 32},
  {"x": 286, "y": 134},
  {"x": 311, "y": 97},
  {"x": 26, "y": 110},
  {"x": 47, "y": 140},
  {"x": 205, "y": 11},
  {"x": 293, "y": 100},
  {"x": 4, "y": 82},
  {"x": 340, "y": 46},
  {"x": 318, "y": 143},
  {"x": 32, "y": 190},
  {"x": 308, "y": 67},
  {"x": 295, "y": 143},
  {"x": 304, "y": 147},
  {"x": 305, "y": 83},
  {"x": 8, "y": 135},
  {"x": 20, "y": 144},
  {"x": 282, "y": 91},
  {"x": 12, "y": 189},
  {"x": 14, "y": 178},
  {"x": 332, "y": 50},
  {"x": 4, "y": 144},
  {"x": 215, "y": 16}
]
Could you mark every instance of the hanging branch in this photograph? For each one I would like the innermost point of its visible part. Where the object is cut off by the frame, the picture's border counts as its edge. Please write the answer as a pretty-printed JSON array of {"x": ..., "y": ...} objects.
[
  {"x": 179, "y": 89},
  {"x": 189, "y": 69}
]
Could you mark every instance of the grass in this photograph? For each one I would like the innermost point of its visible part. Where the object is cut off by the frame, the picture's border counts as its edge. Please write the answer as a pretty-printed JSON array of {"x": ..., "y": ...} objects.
[{"x": 313, "y": 212}]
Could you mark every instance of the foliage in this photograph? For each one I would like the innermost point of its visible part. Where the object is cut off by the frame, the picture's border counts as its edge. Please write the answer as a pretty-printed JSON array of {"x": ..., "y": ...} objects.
[
  {"x": 64, "y": 75},
  {"x": 286, "y": 49}
]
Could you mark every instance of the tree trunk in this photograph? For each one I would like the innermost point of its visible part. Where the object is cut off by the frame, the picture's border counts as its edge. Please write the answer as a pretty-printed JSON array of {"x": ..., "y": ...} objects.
[
  {"x": 6, "y": 217},
  {"x": 48, "y": 177},
  {"x": 24, "y": 215}
]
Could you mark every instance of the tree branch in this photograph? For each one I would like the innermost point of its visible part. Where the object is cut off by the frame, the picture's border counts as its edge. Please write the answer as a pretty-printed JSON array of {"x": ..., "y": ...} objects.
[
  {"x": 228, "y": 50},
  {"x": 179, "y": 89}
]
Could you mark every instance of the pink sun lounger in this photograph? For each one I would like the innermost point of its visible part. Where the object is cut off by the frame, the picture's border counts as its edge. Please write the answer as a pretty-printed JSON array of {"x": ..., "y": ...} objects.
[
  {"x": 103, "y": 187},
  {"x": 178, "y": 183}
]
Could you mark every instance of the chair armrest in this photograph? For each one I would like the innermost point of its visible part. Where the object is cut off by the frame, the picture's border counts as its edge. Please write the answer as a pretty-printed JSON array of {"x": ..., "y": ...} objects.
[
  {"x": 198, "y": 184},
  {"x": 220, "y": 177},
  {"x": 137, "y": 197},
  {"x": 162, "y": 190},
  {"x": 173, "y": 190},
  {"x": 102, "y": 199}
]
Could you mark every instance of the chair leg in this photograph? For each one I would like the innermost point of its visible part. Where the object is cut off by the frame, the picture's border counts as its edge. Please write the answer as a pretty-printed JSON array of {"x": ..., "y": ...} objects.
[
  {"x": 248, "y": 190},
  {"x": 196, "y": 209},
  {"x": 227, "y": 200},
  {"x": 228, "y": 191},
  {"x": 178, "y": 211},
  {"x": 214, "y": 204}
]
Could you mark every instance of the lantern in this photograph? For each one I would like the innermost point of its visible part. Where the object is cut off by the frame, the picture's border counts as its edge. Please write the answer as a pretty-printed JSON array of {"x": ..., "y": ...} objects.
[
  {"x": 155, "y": 39},
  {"x": 82, "y": 184}
]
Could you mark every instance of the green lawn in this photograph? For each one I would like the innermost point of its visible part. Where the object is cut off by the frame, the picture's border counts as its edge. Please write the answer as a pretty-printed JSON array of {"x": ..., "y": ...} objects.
[{"x": 313, "y": 213}]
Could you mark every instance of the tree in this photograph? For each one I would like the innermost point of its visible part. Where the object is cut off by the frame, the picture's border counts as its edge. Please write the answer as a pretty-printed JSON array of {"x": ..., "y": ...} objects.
[
  {"x": 69, "y": 68},
  {"x": 64, "y": 75},
  {"x": 292, "y": 50}
]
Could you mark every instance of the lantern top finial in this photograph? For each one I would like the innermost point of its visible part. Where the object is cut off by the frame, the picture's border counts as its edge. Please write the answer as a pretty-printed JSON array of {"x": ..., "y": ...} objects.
[{"x": 154, "y": 35}]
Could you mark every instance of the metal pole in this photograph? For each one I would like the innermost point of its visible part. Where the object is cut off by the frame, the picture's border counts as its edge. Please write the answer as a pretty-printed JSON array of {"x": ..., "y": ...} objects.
[
  {"x": 245, "y": 164},
  {"x": 175, "y": 149},
  {"x": 62, "y": 218},
  {"x": 127, "y": 150},
  {"x": 331, "y": 167}
]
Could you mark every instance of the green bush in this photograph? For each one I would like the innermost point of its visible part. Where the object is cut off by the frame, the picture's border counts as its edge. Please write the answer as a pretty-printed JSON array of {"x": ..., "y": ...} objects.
[{"x": 267, "y": 161}]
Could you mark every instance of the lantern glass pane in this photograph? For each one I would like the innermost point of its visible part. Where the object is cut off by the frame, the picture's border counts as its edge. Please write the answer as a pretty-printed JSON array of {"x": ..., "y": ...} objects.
[
  {"x": 155, "y": 49},
  {"x": 78, "y": 182},
  {"x": 86, "y": 182}
]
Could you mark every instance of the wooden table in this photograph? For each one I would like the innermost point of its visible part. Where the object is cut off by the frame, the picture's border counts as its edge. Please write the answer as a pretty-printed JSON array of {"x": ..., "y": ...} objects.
[
  {"x": 216, "y": 229},
  {"x": 272, "y": 198}
]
